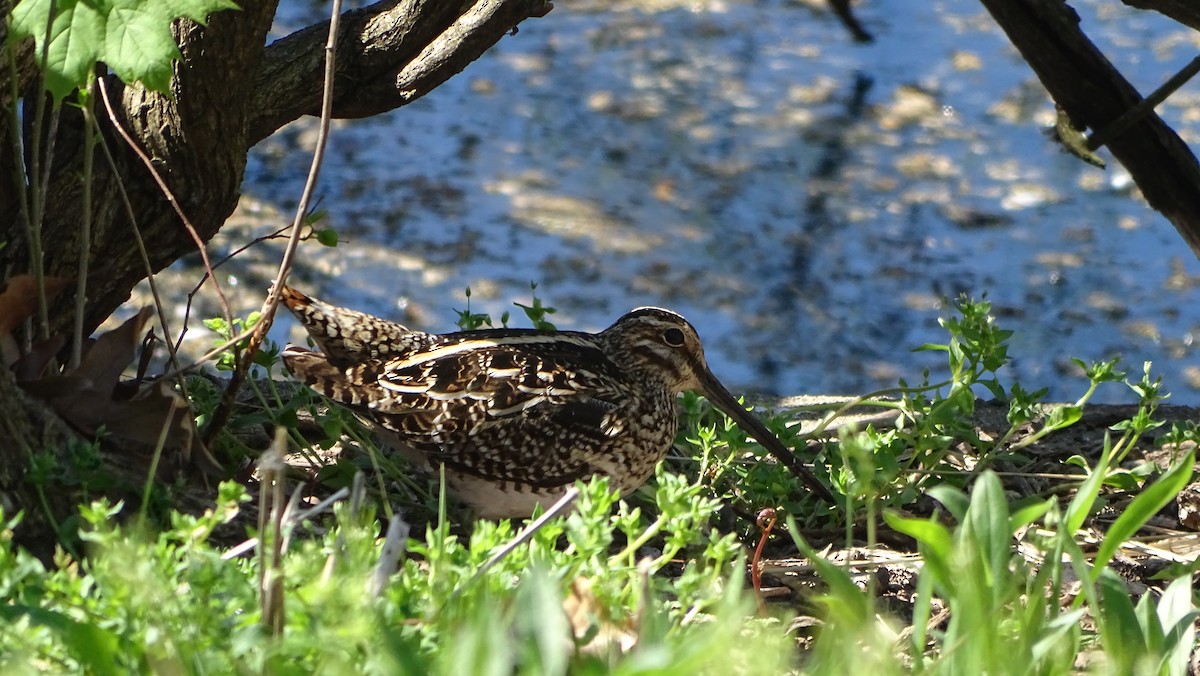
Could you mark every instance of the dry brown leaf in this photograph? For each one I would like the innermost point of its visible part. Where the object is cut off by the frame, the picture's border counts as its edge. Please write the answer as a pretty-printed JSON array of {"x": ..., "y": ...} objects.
[
  {"x": 584, "y": 613},
  {"x": 18, "y": 302},
  {"x": 30, "y": 366},
  {"x": 81, "y": 395},
  {"x": 10, "y": 352},
  {"x": 19, "y": 299},
  {"x": 91, "y": 397}
]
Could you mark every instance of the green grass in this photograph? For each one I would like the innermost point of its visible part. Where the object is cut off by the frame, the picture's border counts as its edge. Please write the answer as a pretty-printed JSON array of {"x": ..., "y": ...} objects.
[{"x": 656, "y": 583}]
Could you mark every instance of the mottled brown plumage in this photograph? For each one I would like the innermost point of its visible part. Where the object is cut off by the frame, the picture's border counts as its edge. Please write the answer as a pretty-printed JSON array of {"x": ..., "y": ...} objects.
[{"x": 516, "y": 416}]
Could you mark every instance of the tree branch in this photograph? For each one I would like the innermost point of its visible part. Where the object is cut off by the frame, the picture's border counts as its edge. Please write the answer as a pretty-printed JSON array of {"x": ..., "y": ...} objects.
[
  {"x": 1094, "y": 94},
  {"x": 1186, "y": 12},
  {"x": 389, "y": 54}
]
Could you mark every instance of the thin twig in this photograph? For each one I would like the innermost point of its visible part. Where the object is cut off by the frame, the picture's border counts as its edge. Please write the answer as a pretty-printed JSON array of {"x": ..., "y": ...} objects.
[
  {"x": 524, "y": 536},
  {"x": 1133, "y": 115},
  {"x": 159, "y": 307},
  {"x": 85, "y": 220},
  {"x": 20, "y": 178},
  {"x": 765, "y": 521},
  {"x": 160, "y": 311},
  {"x": 212, "y": 353},
  {"x": 270, "y": 525},
  {"x": 389, "y": 556},
  {"x": 36, "y": 186},
  {"x": 267, "y": 315},
  {"x": 158, "y": 449},
  {"x": 187, "y": 310},
  {"x": 47, "y": 168},
  {"x": 287, "y": 523},
  {"x": 322, "y": 506},
  {"x": 297, "y": 517}
]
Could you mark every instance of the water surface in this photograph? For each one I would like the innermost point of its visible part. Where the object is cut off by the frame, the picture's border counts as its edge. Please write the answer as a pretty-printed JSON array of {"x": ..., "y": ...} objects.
[{"x": 806, "y": 201}]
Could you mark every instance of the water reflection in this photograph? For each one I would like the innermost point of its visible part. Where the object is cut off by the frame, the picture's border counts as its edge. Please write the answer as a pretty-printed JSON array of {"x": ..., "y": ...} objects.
[{"x": 805, "y": 200}]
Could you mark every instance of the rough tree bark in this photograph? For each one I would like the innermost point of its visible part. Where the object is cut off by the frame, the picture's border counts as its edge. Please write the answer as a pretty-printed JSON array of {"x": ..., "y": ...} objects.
[
  {"x": 1185, "y": 12},
  {"x": 229, "y": 91}
]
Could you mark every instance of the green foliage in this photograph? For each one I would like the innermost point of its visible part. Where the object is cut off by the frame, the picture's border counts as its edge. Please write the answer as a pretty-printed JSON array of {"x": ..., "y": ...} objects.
[
  {"x": 173, "y": 602},
  {"x": 1144, "y": 507},
  {"x": 1003, "y": 609},
  {"x": 267, "y": 355},
  {"x": 132, "y": 37},
  {"x": 652, "y": 583},
  {"x": 884, "y": 467},
  {"x": 471, "y": 321},
  {"x": 536, "y": 312},
  {"x": 983, "y": 581},
  {"x": 1004, "y": 614},
  {"x": 1147, "y": 638},
  {"x": 327, "y": 236},
  {"x": 977, "y": 347},
  {"x": 739, "y": 472}
]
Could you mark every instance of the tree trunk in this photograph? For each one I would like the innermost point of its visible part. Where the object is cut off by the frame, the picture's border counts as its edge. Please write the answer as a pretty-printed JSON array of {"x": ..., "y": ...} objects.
[{"x": 229, "y": 91}]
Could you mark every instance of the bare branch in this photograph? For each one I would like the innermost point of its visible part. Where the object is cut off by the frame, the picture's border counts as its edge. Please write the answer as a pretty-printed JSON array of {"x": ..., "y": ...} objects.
[
  {"x": 391, "y": 53},
  {"x": 1186, "y": 12},
  {"x": 1095, "y": 94}
]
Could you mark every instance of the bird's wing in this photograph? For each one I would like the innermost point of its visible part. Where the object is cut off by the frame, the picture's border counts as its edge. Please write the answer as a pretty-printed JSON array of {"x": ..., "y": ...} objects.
[
  {"x": 465, "y": 387},
  {"x": 519, "y": 406}
]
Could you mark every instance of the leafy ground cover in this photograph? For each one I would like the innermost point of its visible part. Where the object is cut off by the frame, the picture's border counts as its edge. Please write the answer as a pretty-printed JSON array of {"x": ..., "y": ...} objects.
[{"x": 1006, "y": 537}]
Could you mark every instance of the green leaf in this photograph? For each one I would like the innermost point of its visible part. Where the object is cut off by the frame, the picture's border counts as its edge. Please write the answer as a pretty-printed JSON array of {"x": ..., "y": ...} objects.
[
  {"x": 1057, "y": 630},
  {"x": 931, "y": 347},
  {"x": 1027, "y": 514},
  {"x": 542, "y": 624},
  {"x": 1121, "y": 479},
  {"x": 1147, "y": 620},
  {"x": 1088, "y": 491},
  {"x": 1119, "y": 625},
  {"x": 133, "y": 37},
  {"x": 93, "y": 646},
  {"x": 986, "y": 526},
  {"x": 844, "y": 597},
  {"x": 327, "y": 237},
  {"x": 952, "y": 498},
  {"x": 1177, "y": 615},
  {"x": 1063, "y": 416},
  {"x": 935, "y": 542},
  {"x": 1143, "y": 507}
]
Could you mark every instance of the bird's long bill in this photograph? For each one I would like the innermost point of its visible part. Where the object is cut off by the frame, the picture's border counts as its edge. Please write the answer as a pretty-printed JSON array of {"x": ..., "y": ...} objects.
[{"x": 720, "y": 397}]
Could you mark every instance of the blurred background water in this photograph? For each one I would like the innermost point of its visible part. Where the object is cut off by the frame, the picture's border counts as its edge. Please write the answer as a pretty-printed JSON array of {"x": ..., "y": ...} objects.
[{"x": 809, "y": 203}]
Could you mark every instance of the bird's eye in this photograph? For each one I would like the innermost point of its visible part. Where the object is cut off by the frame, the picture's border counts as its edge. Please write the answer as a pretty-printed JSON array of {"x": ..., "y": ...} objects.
[{"x": 673, "y": 337}]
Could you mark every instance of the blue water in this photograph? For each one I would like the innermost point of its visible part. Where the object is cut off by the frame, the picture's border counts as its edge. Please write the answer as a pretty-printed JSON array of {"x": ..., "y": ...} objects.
[{"x": 807, "y": 202}]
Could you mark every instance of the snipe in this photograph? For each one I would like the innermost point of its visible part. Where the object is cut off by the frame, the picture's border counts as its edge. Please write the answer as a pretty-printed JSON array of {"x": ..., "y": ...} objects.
[{"x": 516, "y": 416}]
